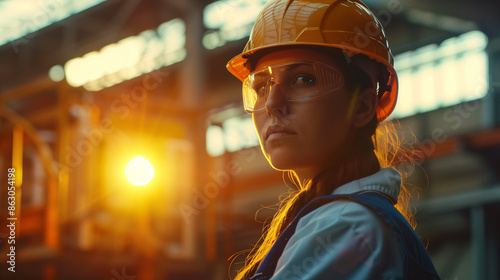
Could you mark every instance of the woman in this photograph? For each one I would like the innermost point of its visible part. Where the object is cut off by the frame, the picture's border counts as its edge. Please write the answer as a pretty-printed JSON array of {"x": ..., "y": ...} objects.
[{"x": 318, "y": 78}]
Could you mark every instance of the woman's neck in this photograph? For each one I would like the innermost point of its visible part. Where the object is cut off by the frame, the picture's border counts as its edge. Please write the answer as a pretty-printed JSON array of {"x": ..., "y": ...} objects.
[{"x": 339, "y": 173}]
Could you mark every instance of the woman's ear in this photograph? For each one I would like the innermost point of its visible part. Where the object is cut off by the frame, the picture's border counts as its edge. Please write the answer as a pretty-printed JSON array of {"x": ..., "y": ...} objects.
[{"x": 366, "y": 108}]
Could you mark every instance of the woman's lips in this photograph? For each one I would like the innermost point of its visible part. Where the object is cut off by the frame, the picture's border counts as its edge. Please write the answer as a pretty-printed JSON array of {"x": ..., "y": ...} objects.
[
  {"x": 277, "y": 131},
  {"x": 277, "y": 135}
]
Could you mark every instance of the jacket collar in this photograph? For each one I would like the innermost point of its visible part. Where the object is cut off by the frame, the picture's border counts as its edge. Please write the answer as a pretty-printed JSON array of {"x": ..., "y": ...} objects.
[{"x": 386, "y": 181}]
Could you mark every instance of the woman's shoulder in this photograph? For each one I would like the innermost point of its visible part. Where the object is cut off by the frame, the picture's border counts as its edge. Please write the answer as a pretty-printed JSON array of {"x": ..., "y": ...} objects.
[
  {"x": 355, "y": 238},
  {"x": 345, "y": 218},
  {"x": 340, "y": 211}
]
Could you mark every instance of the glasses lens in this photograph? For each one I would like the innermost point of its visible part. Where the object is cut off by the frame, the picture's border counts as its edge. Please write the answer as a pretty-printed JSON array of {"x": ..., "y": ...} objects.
[
  {"x": 300, "y": 80},
  {"x": 255, "y": 90},
  {"x": 329, "y": 78}
]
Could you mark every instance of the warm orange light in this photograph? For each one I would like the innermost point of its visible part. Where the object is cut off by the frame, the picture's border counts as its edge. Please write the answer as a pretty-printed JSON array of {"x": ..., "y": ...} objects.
[{"x": 139, "y": 171}]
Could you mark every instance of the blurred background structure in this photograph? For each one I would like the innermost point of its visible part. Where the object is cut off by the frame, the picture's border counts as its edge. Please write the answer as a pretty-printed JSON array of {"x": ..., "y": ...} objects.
[{"x": 135, "y": 160}]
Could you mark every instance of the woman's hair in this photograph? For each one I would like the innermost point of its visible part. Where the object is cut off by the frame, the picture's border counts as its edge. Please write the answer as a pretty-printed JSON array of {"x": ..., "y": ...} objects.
[{"x": 374, "y": 146}]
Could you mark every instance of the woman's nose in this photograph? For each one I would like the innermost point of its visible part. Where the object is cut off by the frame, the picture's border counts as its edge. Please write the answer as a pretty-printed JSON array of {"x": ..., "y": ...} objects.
[{"x": 276, "y": 102}]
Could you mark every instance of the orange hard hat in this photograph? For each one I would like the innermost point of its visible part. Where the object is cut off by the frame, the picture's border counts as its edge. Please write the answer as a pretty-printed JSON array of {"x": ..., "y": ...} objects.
[{"x": 344, "y": 24}]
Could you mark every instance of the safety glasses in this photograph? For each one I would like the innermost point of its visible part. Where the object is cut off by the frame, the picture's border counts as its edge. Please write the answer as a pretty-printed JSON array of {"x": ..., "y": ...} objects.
[{"x": 297, "y": 81}]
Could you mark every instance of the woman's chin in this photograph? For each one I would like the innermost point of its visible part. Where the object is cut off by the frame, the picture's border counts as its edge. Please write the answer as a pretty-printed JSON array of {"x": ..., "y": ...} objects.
[
  {"x": 285, "y": 157},
  {"x": 281, "y": 163}
]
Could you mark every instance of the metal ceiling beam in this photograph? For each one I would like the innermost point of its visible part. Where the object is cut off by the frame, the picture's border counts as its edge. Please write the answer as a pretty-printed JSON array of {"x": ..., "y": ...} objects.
[{"x": 461, "y": 201}]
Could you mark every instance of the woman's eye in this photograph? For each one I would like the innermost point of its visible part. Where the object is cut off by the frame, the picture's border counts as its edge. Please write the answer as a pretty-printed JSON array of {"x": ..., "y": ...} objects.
[
  {"x": 261, "y": 86},
  {"x": 303, "y": 81},
  {"x": 260, "y": 89}
]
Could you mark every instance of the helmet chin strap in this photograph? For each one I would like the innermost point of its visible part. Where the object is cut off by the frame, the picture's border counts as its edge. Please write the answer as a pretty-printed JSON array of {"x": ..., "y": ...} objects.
[
  {"x": 352, "y": 105},
  {"x": 375, "y": 70},
  {"x": 369, "y": 66}
]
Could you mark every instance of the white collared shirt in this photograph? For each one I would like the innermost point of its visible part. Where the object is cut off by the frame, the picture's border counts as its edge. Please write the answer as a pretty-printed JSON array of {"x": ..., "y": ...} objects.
[{"x": 344, "y": 239}]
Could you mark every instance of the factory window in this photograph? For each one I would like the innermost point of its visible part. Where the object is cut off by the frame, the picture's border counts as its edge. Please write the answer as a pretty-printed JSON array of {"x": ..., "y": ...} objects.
[
  {"x": 129, "y": 58},
  {"x": 232, "y": 135},
  {"x": 229, "y": 20},
  {"x": 19, "y": 20},
  {"x": 442, "y": 75}
]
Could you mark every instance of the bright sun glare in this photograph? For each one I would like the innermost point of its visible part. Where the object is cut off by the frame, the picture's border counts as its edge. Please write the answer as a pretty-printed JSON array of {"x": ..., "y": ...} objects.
[{"x": 139, "y": 171}]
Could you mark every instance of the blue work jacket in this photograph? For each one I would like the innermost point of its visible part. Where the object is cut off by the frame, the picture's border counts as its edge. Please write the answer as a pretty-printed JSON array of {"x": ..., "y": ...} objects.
[{"x": 387, "y": 248}]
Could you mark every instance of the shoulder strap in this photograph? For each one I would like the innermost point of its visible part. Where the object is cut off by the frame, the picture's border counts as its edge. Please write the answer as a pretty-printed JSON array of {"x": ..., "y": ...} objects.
[
  {"x": 418, "y": 264},
  {"x": 412, "y": 247}
]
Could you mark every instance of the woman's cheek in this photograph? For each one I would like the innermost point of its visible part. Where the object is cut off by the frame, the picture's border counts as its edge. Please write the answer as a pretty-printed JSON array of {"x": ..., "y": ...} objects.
[{"x": 258, "y": 122}]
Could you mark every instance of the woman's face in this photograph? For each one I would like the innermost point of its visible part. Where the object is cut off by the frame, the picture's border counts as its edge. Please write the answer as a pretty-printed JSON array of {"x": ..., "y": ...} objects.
[{"x": 302, "y": 135}]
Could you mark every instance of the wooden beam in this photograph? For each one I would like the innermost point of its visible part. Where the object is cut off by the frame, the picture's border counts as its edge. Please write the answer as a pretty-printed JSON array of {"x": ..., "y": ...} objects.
[
  {"x": 35, "y": 87},
  {"x": 484, "y": 139}
]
